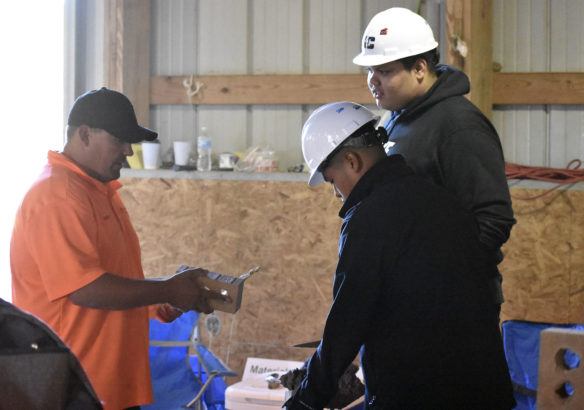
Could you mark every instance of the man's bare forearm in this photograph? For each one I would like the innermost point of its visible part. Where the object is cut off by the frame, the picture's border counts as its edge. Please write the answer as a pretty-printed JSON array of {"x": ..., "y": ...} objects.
[{"x": 114, "y": 292}]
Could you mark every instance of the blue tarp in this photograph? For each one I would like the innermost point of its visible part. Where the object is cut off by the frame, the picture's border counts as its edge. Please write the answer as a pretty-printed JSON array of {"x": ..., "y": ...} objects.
[{"x": 173, "y": 370}]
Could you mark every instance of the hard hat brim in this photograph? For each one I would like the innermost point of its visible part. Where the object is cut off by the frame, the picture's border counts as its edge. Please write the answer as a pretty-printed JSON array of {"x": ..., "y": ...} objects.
[
  {"x": 372, "y": 60},
  {"x": 316, "y": 178}
]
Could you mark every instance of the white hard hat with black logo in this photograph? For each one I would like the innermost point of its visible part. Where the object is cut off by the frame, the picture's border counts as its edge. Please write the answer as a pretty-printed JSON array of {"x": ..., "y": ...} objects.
[
  {"x": 328, "y": 127},
  {"x": 394, "y": 34}
]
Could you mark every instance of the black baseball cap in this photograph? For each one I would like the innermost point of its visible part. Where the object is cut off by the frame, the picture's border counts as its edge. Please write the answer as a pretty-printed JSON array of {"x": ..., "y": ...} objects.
[{"x": 111, "y": 111}]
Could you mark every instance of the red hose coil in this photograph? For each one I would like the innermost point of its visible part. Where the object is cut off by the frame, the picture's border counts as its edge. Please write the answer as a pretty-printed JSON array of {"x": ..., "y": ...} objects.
[{"x": 563, "y": 176}]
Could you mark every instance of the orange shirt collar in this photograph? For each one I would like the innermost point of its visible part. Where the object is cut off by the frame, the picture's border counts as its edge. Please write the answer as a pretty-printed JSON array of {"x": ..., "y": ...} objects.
[{"x": 58, "y": 159}]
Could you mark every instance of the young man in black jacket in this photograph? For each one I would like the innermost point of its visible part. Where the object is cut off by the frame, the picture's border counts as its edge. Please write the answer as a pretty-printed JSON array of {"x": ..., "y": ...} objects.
[
  {"x": 443, "y": 137},
  {"x": 411, "y": 291}
]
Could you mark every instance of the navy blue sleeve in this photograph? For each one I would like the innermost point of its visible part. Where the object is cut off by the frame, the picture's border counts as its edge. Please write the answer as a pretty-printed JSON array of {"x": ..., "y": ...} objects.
[{"x": 359, "y": 278}]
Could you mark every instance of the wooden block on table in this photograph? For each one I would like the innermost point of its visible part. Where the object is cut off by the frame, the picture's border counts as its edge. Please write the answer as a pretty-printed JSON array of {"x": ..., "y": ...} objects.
[{"x": 560, "y": 383}]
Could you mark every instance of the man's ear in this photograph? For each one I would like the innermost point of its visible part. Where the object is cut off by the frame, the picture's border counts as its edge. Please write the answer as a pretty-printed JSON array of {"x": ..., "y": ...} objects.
[
  {"x": 84, "y": 131},
  {"x": 354, "y": 161},
  {"x": 420, "y": 69}
]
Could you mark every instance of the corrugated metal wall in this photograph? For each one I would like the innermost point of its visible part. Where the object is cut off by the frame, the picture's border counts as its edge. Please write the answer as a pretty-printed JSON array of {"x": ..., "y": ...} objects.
[
  {"x": 321, "y": 36},
  {"x": 224, "y": 37},
  {"x": 84, "y": 42},
  {"x": 540, "y": 35}
]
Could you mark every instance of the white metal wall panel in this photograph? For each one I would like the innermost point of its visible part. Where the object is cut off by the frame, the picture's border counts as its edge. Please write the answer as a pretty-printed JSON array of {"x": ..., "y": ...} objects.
[
  {"x": 536, "y": 36},
  {"x": 520, "y": 43},
  {"x": 334, "y": 32},
  {"x": 223, "y": 49},
  {"x": 89, "y": 46},
  {"x": 223, "y": 34},
  {"x": 277, "y": 29},
  {"x": 223, "y": 37},
  {"x": 276, "y": 32},
  {"x": 372, "y": 7},
  {"x": 206, "y": 38},
  {"x": 84, "y": 48},
  {"x": 278, "y": 128},
  {"x": 322, "y": 36},
  {"x": 566, "y": 54},
  {"x": 95, "y": 44},
  {"x": 174, "y": 39}
]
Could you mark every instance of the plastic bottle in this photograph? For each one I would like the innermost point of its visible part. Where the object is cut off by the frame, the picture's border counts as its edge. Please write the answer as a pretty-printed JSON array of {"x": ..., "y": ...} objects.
[{"x": 203, "y": 151}]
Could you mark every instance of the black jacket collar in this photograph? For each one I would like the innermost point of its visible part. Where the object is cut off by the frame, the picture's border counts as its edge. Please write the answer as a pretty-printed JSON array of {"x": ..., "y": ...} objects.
[{"x": 387, "y": 169}]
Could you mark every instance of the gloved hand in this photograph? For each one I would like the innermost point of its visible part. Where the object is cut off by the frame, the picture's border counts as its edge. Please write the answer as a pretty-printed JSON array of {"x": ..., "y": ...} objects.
[{"x": 350, "y": 388}]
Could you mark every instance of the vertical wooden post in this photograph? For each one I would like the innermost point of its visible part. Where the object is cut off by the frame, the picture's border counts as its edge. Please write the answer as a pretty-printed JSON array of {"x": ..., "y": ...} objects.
[
  {"x": 127, "y": 52},
  {"x": 471, "y": 21}
]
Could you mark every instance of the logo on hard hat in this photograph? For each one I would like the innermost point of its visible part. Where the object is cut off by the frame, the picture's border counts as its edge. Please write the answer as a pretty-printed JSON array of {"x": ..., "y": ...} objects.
[
  {"x": 383, "y": 32},
  {"x": 369, "y": 43}
]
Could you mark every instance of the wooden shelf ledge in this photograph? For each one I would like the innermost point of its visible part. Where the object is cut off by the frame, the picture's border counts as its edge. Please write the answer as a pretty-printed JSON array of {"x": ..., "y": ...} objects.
[
  {"x": 538, "y": 88},
  {"x": 508, "y": 88},
  {"x": 262, "y": 89}
]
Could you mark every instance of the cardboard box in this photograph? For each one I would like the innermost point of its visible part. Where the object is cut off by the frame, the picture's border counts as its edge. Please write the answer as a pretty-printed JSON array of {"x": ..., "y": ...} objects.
[
  {"x": 226, "y": 285},
  {"x": 252, "y": 392}
]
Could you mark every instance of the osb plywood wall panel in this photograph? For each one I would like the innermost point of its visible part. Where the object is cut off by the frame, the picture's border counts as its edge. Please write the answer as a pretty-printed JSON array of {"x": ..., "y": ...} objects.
[
  {"x": 543, "y": 270},
  {"x": 229, "y": 227},
  {"x": 291, "y": 231}
]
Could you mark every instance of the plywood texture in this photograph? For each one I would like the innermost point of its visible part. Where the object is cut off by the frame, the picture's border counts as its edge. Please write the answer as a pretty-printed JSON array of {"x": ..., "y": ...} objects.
[
  {"x": 543, "y": 270},
  {"x": 291, "y": 231},
  {"x": 288, "y": 229}
]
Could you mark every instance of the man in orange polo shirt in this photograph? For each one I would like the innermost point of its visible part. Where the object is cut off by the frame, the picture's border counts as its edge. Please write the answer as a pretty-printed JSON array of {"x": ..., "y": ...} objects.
[{"x": 75, "y": 256}]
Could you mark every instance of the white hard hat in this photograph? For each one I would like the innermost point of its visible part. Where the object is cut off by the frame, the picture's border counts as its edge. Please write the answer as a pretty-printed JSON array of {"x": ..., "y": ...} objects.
[
  {"x": 326, "y": 128},
  {"x": 394, "y": 34}
]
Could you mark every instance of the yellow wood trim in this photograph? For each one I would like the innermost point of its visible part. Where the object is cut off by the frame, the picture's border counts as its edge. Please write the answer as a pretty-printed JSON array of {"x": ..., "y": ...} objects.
[
  {"x": 538, "y": 88},
  {"x": 127, "y": 52},
  {"x": 471, "y": 23},
  {"x": 508, "y": 88},
  {"x": 262, "y": 89}
]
